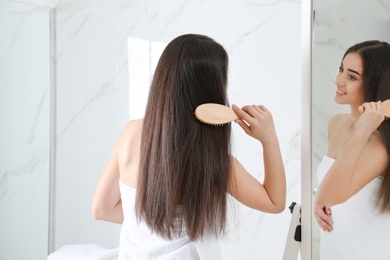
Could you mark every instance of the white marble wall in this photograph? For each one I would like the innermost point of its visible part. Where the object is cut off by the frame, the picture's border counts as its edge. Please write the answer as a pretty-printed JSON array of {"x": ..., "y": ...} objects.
[
  {"x": 92, "y": 100},
  {"x": 24, "y": 130},
  {"x": 337, "y": 26}
]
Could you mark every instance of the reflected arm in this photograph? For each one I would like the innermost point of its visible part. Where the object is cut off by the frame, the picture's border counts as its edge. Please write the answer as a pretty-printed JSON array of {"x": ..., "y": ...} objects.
[{"x": 358, "y": 162}]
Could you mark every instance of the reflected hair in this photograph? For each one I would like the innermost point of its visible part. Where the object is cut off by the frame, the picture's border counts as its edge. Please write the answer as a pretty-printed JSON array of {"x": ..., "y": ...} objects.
[
  {"x": 376, "y": 79},
  {"x": 185, "y": 164}
]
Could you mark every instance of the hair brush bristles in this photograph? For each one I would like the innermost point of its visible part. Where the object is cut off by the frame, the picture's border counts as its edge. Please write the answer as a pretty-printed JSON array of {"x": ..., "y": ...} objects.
[{"x": 215, "y": 125}]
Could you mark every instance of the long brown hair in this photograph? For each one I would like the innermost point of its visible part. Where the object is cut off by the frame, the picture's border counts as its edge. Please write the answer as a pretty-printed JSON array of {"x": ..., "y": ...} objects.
[
  {"x": 184, "y": 165},
  {"x": 376, "y": 79}
]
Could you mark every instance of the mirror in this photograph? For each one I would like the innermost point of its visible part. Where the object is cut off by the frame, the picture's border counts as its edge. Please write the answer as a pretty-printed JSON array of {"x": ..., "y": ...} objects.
[
  {"x": 337, "y": 25},
  {"x": 25, "y": 92}
]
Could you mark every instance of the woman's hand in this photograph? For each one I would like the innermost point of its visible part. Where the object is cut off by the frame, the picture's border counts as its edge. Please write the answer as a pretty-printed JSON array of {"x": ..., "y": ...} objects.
[
  {"x": 371, "y": 118},
  {"x": 257, "y": 122},
  {"x": 323, "y": 216}
]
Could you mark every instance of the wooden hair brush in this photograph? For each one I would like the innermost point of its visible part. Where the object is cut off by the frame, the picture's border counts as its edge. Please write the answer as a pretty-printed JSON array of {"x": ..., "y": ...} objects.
[
  {"x": 386, "y": 108},
  {"x": 215, "y": 114}
]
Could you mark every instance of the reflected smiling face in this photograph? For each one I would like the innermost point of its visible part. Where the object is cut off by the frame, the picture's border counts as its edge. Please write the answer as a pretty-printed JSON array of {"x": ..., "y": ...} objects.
[{"x": 349, "y": 81}]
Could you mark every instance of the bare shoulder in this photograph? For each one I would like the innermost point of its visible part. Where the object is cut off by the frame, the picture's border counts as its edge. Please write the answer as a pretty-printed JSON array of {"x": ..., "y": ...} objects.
[
  {"x": 133, "y": 125},
  {"x": 130, "y": 135},
  {"x": 336, "y": 121},
  {"x": 338, "y": 133},
  {"x": 131, "y": 129}
]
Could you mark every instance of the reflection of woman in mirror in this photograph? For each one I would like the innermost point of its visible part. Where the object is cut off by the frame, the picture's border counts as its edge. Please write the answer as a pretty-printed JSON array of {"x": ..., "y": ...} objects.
[
  {"x": 352, "y": 203},
  {"x": 169, "y": 174}
]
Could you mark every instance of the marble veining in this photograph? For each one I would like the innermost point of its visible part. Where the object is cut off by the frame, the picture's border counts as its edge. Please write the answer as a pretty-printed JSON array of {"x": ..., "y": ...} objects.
[
  {"x": 28, "y": 170},
  {"x": 106, "y": 88},
  {"x": 33, "y": 127}
]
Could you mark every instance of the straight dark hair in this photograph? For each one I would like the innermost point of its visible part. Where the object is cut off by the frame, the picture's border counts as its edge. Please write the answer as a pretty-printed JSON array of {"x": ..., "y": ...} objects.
[
  {"x": 185, "y": 164},
  {"x": 376, "y": 79}
]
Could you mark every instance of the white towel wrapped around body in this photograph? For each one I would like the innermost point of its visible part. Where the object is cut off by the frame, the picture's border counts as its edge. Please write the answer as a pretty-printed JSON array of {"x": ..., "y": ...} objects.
[
  {"x": 360, "y": 231},
  {"x": 137, "y": 241}
]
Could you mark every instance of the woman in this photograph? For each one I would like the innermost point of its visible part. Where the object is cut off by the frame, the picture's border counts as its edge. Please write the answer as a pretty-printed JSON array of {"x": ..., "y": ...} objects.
[
  {"x": 352, "y": 203},
  {"x": 168, "y": 176}
]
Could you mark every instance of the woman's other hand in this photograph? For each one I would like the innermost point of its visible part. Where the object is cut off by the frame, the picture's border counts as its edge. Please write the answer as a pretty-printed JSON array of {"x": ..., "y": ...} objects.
[{"x": 323, "y": 216}]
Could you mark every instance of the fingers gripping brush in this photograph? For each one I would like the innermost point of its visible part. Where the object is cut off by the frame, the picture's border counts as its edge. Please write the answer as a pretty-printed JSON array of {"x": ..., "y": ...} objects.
[
  {"x": 215, "y": 114},
  {"x": 386, "y": 108}
]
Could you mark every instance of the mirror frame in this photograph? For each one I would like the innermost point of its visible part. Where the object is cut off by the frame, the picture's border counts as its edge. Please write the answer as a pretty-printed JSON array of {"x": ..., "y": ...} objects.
[
  {"x": 53, "y": 123},
  {"x": 306, "y": 149}
]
